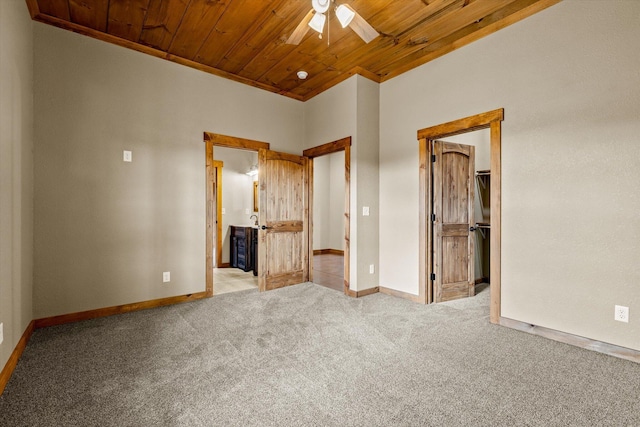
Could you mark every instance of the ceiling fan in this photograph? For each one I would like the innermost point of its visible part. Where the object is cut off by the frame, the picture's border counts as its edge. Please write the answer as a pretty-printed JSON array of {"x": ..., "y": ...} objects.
[{"x": 346, "y": 15}]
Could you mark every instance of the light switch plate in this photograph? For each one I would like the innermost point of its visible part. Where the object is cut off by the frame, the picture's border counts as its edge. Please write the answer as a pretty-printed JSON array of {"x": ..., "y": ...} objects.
[
  {"x": 223, "y": 211},
  {"x": 127, "y": 156},
  {"x": 365, "y": 211},
  {"x": 166, "y": 276}
]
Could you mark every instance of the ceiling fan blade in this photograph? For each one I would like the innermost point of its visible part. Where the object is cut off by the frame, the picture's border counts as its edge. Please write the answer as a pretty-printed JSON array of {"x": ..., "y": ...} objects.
[
  {"x": 362, "y": 27},
  {"x": 300, "y": 31}
]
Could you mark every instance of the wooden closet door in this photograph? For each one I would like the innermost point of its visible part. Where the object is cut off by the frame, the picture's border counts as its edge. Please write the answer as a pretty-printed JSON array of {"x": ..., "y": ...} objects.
[
  {"x": 283, "y": 254},
  {"x": 453, "y": 203}
]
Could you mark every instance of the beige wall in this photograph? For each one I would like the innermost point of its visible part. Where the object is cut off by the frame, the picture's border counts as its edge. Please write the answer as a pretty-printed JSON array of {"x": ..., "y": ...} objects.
[
  {"x": 352, "y": 109},
  {"x": 105, "y": 230},
  {"x": 330, "y": 116},
  {"x": 16, "y": 173},
  {"x": 336, "y": 200},
  {"x": 365, "y": 168},
  {"x": 569, "y": 83},
  {"x": 321, "y": 203},
  {"x": 328, "y": 201}
]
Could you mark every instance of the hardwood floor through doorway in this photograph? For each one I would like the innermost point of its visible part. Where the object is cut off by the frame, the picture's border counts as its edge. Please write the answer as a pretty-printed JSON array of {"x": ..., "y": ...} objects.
[{"x": 328, "y": 271}]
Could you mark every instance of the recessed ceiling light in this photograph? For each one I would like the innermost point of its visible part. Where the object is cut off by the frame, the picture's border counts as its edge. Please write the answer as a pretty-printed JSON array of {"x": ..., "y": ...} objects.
[{"x": 302, "y": 75}]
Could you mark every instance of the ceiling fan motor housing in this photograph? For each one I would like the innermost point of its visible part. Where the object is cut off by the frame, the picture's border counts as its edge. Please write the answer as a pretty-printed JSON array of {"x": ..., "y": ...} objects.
[{"x": 320, "y": 6}]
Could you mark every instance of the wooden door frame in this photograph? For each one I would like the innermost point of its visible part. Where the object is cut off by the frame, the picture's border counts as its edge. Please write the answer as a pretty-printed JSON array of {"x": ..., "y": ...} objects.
[
  {"x": 490, "y": 120},
  {"x": 217, "y": 166},
  {"x": 343, "y": 144},
  {"x": 211, "y": 140}
]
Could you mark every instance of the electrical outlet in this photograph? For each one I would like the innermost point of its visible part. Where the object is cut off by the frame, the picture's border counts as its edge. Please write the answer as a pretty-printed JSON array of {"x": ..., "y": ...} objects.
[
  {"x": 1, "y": 332},
  {"x": 246, "y": 211},
  {"x": 166, "y": 276},
  {"x": 621, "y": 313},
  {"x": 127, "y": 156},
  {"x": 372, "y": 269}
]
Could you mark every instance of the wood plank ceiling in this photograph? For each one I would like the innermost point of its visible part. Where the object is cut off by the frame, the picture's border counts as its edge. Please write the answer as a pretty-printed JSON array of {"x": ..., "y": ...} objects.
[{"x": 244, "y": 40}]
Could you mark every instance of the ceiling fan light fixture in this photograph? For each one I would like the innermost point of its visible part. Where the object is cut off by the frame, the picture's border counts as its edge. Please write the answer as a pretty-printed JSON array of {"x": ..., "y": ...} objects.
[
  {"x": 345, "y": 15},
  {"x": 317, "y": 22},
  {"x": 320, "y": 6}
]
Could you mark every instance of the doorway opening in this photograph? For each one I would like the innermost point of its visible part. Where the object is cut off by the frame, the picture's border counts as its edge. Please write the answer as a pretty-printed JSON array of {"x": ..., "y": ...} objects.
[
  {"x": 329, "y": 214},
  {"x": 239, "y": 272},
  {"x": 430, "y": 224},
  {"x": 237, "y": 223}
]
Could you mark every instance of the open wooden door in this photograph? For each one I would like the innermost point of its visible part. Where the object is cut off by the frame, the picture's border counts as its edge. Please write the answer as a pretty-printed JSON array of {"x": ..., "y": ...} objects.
[
  {"x": 283, "y": 251},
  {"x": 454, "y": 221}
]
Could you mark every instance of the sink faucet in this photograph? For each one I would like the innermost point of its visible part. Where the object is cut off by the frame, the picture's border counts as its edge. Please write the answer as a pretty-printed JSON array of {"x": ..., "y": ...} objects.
[{"x": 256, "y": 218}]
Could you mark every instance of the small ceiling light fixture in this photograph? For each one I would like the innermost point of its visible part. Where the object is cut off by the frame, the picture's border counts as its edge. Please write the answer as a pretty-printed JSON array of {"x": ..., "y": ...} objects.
[
  {"x": 302, "y": 74},
  {"x": 345, "y": 15},
  {"x": 253, "y": 170}
]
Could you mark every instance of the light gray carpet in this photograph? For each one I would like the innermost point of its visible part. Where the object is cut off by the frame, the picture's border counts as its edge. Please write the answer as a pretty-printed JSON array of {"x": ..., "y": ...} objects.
[{"x": 307, "y": 355}]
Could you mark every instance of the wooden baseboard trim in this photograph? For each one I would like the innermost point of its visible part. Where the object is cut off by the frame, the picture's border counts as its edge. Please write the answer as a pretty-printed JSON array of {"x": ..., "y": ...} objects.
[
  {"x": 482, "y": 280},
  {"x": 575, "y": 340},
  {"x": 328, "y": 251},
  {"x": 362, "y": 293},
  {"x": 370, "y": 291},
  {"x": 225, "y": 265},
  {"x": 401, "y": 294},
  {"x": 11, "y": 364},
  {"x": 119, "y": 309}
]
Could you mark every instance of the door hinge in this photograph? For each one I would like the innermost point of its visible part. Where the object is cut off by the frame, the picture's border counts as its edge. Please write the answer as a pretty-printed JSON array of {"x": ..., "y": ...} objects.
[
  {"x": 433, "y": 276},
  {"x": 433, "y": 158},
  {"x": 433, "y": 217}
]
